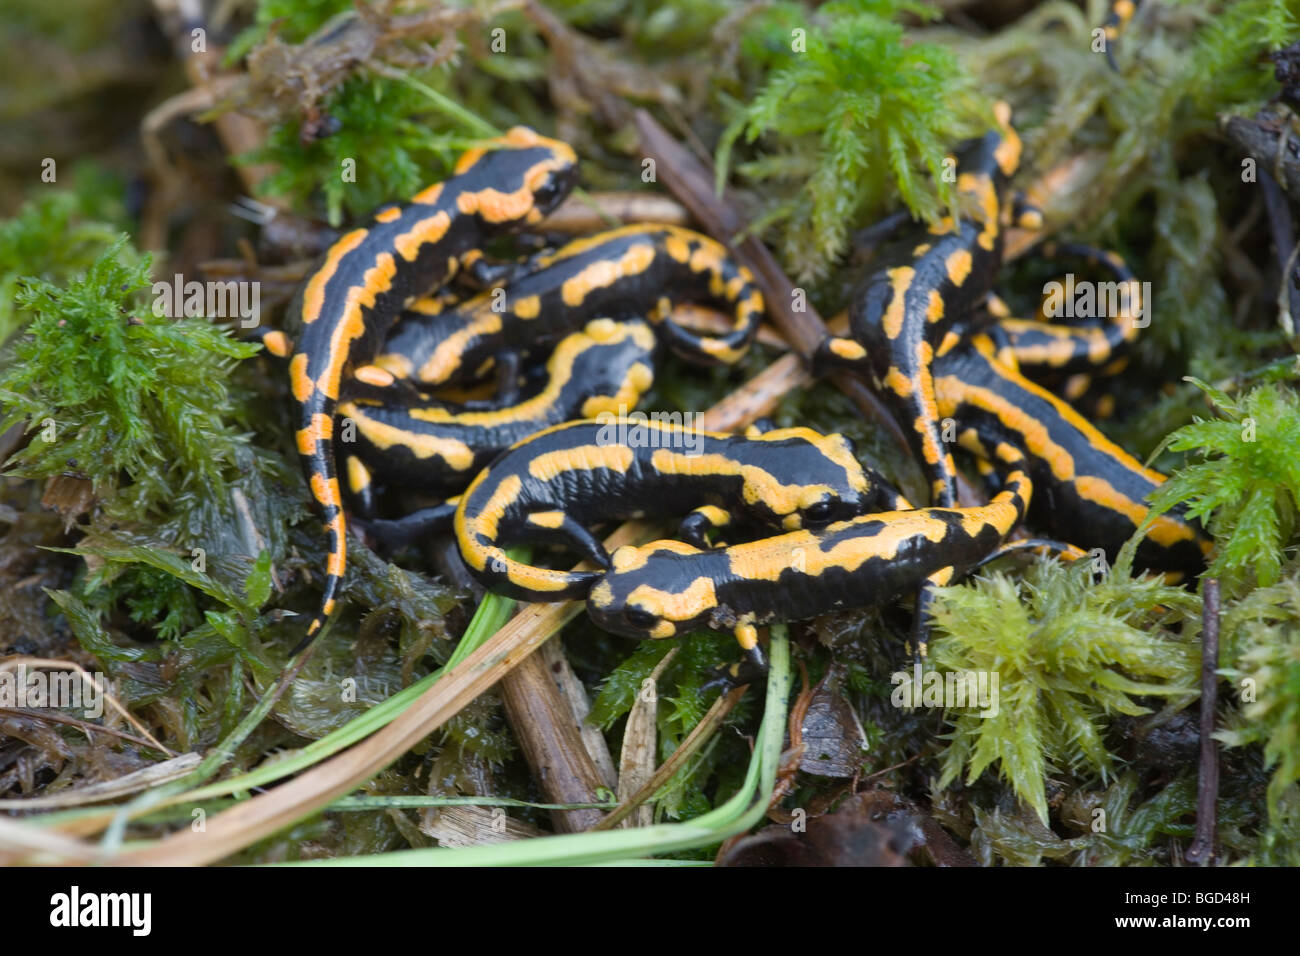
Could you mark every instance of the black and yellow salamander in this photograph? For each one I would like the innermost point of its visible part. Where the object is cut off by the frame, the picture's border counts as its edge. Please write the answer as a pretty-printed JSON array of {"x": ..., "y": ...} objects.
[
  {"x": 556, "y": 485},
  {"x": 667, "y": 588},
  {"x": 438, "y": 448},
  {"x": 899, "y": 316},
  {"x": 372, "y": 273},
  {"x": 634, "y": 271},
  {"x": 1090, "y": 492},
  {"x": 1118, "y": 15},
  {"x": 1108, "y": 316}
]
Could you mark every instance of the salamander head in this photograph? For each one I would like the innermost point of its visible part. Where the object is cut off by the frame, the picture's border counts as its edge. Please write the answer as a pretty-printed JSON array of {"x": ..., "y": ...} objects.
[
  {"x": 820, "y": 480},
  {"x": 521, "y": 165},
  {"x": 658, "y": 590}
]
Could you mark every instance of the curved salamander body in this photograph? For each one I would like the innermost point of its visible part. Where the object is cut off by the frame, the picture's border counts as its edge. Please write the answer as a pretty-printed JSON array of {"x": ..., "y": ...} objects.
[
  {"x": 439, "y": 447},
  {"x": 374, "y": 272},
  {"x": 634, "y": 271},
  {"x": 1051, "y": 347},
  {"x": 900, "y": 315},
  {"x": 1090, "y": 491},
  {"x": 562, "y": 481},
  {"x": 666, "y": 588}
]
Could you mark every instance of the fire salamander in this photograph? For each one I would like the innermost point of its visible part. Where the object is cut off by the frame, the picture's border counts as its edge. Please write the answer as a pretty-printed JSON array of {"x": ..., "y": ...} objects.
[
  {"x": 1091, "y": 492},
  {"x": 634, "y": 271},
  {"x": 372, "y": 273},
  {"x": 1052, "y": 347},
  {"x": 558, "y": 483},
  {"x": 439, "y": 447},
  {"x": 668, "y": 588},
  {"x": 1118, "y": 15},
  {"x": 900, "y": 315}
]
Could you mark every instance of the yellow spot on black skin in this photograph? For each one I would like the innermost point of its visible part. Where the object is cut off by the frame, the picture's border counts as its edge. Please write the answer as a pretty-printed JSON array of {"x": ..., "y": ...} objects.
[
  {"x": 547, "y": 519},
  {"x": 373, "y": 375},
  {"x": 278, "y": 344},
  {"x": 358, "y": 475}
]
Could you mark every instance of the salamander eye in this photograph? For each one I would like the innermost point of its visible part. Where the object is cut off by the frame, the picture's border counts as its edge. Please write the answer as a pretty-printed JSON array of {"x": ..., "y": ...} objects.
[
  {"x": 640, "y": 618},
  {"x": 822, "y": 511},
  {"x": 548, "y": 195}
]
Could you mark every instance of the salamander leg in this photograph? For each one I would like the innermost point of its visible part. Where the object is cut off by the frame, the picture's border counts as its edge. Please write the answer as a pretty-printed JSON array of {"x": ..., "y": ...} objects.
[
  {"x": 551, "y": 525},
  {"x": 507, "y": 364},
  {"x": 375, "y": 384},
  {"x": 840, "y": 352},
  {"x": 276, "y": 343},
  {"x": 360, "y": 487},
  {"x": 487, "y": 273},
  {"x": 865, "y": 241},
  {"x": 1043, "y": 546},
  {"x": 921, "y": 623},
  {"x": 696, "y": 526},
  {"x": 482, "y": 272},
  {"x": 751, "y": 668},
  {"x": 399, "y": 532},
  {"x": 1025, "y": 214},
  {"x": 540, "y": 243},
  {"x": 724, "y": 349},
  {"x": 997, "y": 306}
]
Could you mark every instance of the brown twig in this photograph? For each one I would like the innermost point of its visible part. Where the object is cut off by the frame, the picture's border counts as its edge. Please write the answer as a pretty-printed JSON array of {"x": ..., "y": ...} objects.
[
  {"x": 54, "y": 717},
  {"x": 592, "y": 212},
  {"x": 210, "y": 80},
  {"x": 151, "y": 776},
  {"x": 13, "y": 663},
  {"x": 549, "y": 737},
  {"x": 1207, "y": 777},
  {"x": 636, "y": 759},
  {"x": 1267, "y": 140}
]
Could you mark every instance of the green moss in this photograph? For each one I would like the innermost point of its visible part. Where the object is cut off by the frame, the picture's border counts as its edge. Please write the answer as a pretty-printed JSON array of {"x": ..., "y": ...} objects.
[
  {"x": 1068, "y": 654},
  {"x": 1279, "y": 844},
  {"x": 1246, "y": 485},
  {"x": 291, "y": 20},
  {"x": 839, "y": 138},
  {"x": 53, "y": 236},
  {"x": 1262, "y": 644},
  {"x": 1125, "y": 835},
  {"x": 132, "y": 401},
  {"x": 387, "y": 141}
]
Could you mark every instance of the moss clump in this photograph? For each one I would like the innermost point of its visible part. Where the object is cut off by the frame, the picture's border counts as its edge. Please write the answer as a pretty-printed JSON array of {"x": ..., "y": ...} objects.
[
  {"x": 841, "y": 138},
  {"x": 384, "y": 132},
  {"x": 1247, "y": 485},
  {"x": 1263, "y": 642},
  {"x": 51, "y": 237},
  {"x": 291, "y": 20},
  {"x": 1068, "y": 654},
  {"x": 134, "y": 402}
]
